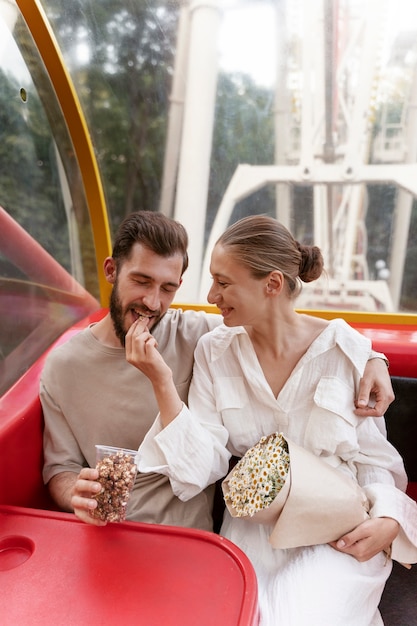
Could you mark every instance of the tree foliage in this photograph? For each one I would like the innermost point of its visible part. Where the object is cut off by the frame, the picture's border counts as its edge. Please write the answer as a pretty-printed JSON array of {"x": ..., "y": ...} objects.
[{"x": 124, "y": 89}]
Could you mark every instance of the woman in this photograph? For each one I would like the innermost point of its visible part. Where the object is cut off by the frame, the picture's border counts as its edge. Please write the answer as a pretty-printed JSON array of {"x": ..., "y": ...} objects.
[{"x": 268, "y": 369}]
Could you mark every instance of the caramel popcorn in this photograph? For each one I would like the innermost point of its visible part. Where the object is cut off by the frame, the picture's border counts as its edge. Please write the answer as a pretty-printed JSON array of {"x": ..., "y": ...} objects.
[{"x": 117, "y": 474}]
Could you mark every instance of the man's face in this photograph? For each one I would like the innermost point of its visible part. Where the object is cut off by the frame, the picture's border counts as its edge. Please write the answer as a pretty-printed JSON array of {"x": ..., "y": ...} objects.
[{"x": 145, "y": 285}]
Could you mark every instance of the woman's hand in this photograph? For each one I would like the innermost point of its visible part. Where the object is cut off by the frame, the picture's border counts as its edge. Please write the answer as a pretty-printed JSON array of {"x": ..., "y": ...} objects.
[{"x": 369, "y": 538}]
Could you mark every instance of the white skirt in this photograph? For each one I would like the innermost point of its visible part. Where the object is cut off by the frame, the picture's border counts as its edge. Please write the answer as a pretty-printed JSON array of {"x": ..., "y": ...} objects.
[{"x": 312, "y": 586}]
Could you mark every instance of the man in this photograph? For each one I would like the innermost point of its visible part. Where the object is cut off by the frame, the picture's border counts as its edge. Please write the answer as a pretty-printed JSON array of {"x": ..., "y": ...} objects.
[{"x": 91, "y": 395}]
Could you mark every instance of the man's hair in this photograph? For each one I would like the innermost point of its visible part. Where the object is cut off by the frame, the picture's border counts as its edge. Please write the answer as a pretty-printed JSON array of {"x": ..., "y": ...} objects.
[{"x": 155, "y": 231}]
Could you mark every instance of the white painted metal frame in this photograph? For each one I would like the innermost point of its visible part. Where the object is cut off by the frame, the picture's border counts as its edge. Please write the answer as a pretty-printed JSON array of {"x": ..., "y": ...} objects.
[
  {"x": 248, "y": 179},
  {"x": 340, "y": 117}
]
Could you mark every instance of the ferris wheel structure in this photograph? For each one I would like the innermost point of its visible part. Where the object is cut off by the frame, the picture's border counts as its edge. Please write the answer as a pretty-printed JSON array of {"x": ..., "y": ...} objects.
[{"x": 336, "y": 75}]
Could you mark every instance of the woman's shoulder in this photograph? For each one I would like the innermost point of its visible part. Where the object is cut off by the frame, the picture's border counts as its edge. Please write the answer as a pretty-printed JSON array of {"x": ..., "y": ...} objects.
[
  {"x": 220, "y": 338},
  {"x": 350, "y": 341},
  {"x": 336, "y": 326}
]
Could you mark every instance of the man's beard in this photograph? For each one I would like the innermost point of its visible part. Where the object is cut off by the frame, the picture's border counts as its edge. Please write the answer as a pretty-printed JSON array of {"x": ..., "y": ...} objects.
[{"x": 116, "y": 314}]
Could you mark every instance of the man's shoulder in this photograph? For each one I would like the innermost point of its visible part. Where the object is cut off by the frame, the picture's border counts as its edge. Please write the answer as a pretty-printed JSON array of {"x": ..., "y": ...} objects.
[
  {"x": 184, "y": 328},
  {"x": 69, "y": 349},
  {"x": 192, "y": 320}
]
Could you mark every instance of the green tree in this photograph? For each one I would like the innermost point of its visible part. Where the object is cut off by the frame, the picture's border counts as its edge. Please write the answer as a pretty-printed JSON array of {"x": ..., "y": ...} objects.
[{"x": 124, "y": 89}]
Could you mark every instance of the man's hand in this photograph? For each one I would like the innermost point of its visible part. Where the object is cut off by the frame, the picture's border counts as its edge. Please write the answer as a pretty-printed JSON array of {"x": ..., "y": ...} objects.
[
  {"x": 369, "y": 538},
  {"x": 141, "y": 351},
  {"x": 83, "y": 492},
  {"x": 75, "y": 493},
  {"x": 375, "y": 391}
]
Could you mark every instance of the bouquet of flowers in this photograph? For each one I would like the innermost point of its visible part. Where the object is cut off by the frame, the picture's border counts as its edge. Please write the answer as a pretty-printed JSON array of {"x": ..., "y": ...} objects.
[
  {"x": 305, "y": 500},
  {"x": 258, "y": 477}
]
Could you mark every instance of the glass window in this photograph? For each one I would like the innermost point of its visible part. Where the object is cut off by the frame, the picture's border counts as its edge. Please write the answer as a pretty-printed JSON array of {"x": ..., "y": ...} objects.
[
  {"x": 179, "y": 94},
  {"x": 44, "y": 267}
]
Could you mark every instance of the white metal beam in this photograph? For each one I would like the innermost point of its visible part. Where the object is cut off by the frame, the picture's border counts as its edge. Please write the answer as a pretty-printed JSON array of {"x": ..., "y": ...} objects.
[
  {"x": 194, "y": 164},
  {"x": 248, "y": 179},
  {"x": 176, "y": 113}
]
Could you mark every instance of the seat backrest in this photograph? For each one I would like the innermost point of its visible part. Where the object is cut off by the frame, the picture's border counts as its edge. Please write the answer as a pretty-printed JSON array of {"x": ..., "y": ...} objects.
[{"x": 401, "y": 419}]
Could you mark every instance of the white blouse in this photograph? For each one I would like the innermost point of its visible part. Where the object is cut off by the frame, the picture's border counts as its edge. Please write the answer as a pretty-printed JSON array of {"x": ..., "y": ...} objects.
[{"x": 231, "y": 406}]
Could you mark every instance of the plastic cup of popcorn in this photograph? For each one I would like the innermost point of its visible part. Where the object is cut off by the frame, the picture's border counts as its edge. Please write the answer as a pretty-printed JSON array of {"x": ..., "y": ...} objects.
[{"x": 117, "y": 472}]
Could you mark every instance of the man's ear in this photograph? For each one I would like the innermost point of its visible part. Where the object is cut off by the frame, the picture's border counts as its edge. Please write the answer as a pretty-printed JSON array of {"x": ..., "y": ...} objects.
[{"x": 109, "y": 267}]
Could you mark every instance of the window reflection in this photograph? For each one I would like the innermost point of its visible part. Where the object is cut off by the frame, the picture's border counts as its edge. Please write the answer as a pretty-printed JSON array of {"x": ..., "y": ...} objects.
[{"x": 42, "y": 264}]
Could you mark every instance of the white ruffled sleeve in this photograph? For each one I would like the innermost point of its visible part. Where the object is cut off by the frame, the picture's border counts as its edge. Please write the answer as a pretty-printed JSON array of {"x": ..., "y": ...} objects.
[
  {"x": 191, "y": 455},
  {"x": 388, "y": 501}
]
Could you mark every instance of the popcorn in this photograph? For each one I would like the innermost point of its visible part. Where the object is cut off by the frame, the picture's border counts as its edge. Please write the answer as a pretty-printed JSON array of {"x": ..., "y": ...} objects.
[{"x": 117, "y": 472}]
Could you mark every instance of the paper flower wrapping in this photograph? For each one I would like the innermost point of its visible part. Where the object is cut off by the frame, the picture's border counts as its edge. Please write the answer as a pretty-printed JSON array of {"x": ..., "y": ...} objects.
[{"x": 305, "y": 500}]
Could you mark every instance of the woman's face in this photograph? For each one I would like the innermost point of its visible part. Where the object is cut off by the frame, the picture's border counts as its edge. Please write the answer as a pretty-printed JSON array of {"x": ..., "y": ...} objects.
[{"x": 238, "y": 295}]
